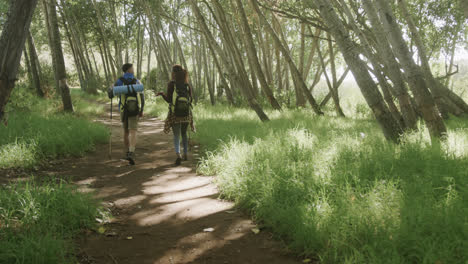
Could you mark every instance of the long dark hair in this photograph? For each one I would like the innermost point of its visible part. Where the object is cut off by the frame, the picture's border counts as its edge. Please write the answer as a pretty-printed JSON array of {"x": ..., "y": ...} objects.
[{"x": 179, "y": 74}]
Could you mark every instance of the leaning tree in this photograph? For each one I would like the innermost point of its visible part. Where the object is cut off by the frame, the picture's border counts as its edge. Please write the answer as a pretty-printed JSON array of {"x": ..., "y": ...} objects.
[{"x": 12, "y": 41}]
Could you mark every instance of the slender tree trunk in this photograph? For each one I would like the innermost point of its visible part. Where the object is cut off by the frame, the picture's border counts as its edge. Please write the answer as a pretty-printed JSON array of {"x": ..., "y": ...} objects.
[
  {"x": 212, "y": 45},
  {"x": 36, "y": 74},
  {"x": 104, "y": 65},
  {"x": 105, "y": 43},
  {"x": 76, "y": 57},
  {"x": 350, "y": 51},
  {"x": 313, "y": 48},
  {"x": 279, "y": 73},
  {"x": 414, "y": 74},
  {"x": 56, "y": 48},
  {"x": 331, "y": 84},
  {"x": 300, "y": 99},
  {"x": 138, "y": 72},
  {"x": 252, "y": 56},
  {"x": 294, "y": 71},
  {"x": 50, "y": 42},
  {"x": 28, "y": 67},
  {"x": 392, "y": 67},
  {"x": 377, "y": 69},
  {"x": 442, "y": 95},
  {"x": 148, "y": 68},
  {"x": 98, "y": 75},
  {"x": 207, "y": 75},
  {"x": 15, "y": 31}
]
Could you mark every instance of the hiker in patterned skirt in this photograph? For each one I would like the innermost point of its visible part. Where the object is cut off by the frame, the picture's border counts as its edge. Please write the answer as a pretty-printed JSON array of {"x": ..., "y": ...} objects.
[{"x": 179, "y": 117}]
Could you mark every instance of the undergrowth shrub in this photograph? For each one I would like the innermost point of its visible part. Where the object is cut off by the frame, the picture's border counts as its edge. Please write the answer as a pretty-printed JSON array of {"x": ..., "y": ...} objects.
[
  {"x": 30, "y": 137},
  {"x": 335, "y": 189},
  {"x": 38, "y": 221}
]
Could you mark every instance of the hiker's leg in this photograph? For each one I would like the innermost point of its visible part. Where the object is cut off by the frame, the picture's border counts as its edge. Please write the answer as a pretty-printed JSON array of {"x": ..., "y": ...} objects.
[
  {"x": 132, "y": 140},
  {"x": 132, "y": 127},
  {"x": 126, "y": 139},
  {"x": 126, "y": 132},
  {"x": 176, "y": 131},
  {"x": 184, "y": 137}
]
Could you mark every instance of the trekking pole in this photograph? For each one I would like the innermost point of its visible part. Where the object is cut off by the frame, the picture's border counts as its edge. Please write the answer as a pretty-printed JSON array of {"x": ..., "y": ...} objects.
[{"x": 110, "y": 138}]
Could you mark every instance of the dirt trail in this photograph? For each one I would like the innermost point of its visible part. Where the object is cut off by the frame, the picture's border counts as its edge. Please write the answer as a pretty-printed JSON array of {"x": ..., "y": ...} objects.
[{"x": 165, "y": 209}]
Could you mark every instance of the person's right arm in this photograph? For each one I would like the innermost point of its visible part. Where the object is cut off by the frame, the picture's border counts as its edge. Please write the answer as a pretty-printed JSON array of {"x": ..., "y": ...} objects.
[{"x": 168, "y": 96}]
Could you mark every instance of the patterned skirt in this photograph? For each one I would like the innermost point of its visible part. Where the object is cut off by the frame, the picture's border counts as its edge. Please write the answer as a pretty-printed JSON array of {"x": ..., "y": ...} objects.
[{"x": 172, "y": 119}]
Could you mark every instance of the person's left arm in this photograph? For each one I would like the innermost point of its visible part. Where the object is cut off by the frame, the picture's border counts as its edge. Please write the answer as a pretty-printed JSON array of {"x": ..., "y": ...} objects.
[
  {"x": 190, "y": 92},
  {"x": 142, "y": 98},
  {"x": 142, "y": 101}
]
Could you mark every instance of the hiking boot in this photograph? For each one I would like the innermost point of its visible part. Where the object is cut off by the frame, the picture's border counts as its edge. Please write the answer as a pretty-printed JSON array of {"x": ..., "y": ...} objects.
[
  {"x": 185, "y": 157},
  {"x": 126, "y": 156},
  {"x": 178, "y": 160},
  {"x": 131, "y": 158}
]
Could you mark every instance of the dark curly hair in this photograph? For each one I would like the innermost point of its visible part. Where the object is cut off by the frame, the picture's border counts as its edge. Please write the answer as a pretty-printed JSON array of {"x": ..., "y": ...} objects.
[{"x": 179, "y": 74}]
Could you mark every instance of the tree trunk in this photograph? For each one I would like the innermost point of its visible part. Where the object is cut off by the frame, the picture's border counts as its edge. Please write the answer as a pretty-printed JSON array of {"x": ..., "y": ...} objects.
[
  {"x": 207, "y": 75},
  {"x": 36, "y": 73},
  {"x": 299, "y": 81},
  {"x": 377, "y": 69},
  {"x": 105, "y": 43},
  {"x": 139, "y": 50},
  {"x": 148, "y": 68},
  {"x": 414, "y": 74},
  {"x": 439, "y": 91},
  {"x": 331, "y": 84},
  {"x": 104, "y": 64},
  {"x": 392, "y": 67},
  {"x": 50, "y": 42},
  {"x": 78, "y": 62},
  {"x": 279, "y": 71},
  {"x": 56, "y": 48},
  {"x": 252, "y": 56},
  {"x": 313, "y": 48},
  {"x": 350, "y": 51},
  {"x": 28, "y": 67},
  {"x": 300, "y": 99},
  {"x": 14, "y": 33},
  {"x": 212, "y": 45}
]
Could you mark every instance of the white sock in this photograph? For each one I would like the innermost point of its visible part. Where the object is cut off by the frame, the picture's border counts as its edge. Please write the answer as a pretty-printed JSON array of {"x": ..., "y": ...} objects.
[{"x": 131, "y": 149}]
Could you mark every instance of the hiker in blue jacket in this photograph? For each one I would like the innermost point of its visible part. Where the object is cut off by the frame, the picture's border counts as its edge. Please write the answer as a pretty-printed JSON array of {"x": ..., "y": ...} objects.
[{"x": 131, "y": 108}]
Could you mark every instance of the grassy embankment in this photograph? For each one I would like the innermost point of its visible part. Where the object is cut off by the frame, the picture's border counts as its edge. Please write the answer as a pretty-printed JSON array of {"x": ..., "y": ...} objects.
[
  {"x": 38, "y": 219},
  {"x": 334, "y": 189}
]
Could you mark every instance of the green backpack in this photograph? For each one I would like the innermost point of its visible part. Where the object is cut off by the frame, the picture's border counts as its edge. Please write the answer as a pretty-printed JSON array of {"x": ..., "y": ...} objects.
[
  {"x": 131, "y": 106},
  {"x": 181, "y": 100}
]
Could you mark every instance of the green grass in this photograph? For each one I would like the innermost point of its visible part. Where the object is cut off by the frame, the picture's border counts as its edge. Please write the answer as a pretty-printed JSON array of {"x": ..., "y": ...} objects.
[
  {"x": 334, "y": 189},
  {"x": 38, "y": 222},
  {"x": 30, "y": 138},
  {"x": 37, "y": 130},
  {"x": 88, "y": 105},
  {"x": 155, "y": 106}
]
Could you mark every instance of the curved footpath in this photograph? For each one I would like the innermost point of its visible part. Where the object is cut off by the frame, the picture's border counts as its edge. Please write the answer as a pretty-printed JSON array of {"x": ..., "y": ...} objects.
[{"x": 164, "y": 214}]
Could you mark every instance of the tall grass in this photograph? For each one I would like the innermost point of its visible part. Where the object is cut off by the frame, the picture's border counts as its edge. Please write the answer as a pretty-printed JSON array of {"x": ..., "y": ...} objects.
[
  {"x": 37, "y": 129},
  {"x": 335, "y": 189},
  {"x": 31, "y": 137},
  {"x": 37, "y": 222}
]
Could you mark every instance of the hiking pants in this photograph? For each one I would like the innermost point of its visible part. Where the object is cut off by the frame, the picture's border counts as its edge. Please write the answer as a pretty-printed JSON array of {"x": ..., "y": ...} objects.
[{"x": 180, "y": 129}]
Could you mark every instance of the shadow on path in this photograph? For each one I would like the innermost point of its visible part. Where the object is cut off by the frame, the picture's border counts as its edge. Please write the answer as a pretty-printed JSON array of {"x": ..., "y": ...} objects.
[{"x": 164, "y": 209}]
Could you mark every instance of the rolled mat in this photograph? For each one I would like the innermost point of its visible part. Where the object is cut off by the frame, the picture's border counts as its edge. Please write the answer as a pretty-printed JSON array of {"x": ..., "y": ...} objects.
[{"x": 124, "y": 89}]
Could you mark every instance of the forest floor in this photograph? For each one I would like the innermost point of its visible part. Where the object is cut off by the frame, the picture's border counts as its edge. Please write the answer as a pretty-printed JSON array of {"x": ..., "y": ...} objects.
[{"x": 162, "y": 213}]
